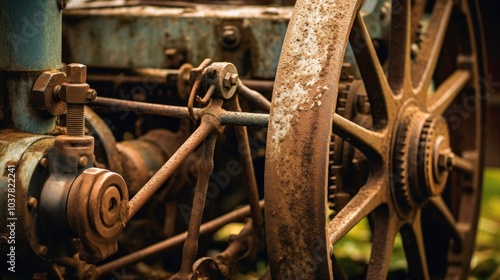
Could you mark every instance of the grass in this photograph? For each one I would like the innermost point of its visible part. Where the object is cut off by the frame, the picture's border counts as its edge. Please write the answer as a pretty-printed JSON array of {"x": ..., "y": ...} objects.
[
  {"x": 353, "y": 251},
  {"x": 486, "y": 260}
]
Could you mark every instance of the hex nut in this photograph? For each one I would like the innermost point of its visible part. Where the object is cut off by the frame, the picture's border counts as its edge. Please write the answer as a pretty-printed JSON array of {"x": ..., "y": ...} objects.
[
  {"x": 74, "y": 93},
  {"x": 43, "y": 98}
]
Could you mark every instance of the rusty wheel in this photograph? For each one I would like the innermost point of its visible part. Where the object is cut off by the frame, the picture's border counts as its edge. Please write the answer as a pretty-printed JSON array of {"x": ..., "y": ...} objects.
[{"x": 424, "y": 146}]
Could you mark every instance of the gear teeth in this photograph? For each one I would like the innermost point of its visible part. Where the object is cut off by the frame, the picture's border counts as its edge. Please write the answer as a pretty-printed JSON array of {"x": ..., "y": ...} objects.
[
  {"x": 334, "y": 168},
  {"x": 400, "y": 176}
]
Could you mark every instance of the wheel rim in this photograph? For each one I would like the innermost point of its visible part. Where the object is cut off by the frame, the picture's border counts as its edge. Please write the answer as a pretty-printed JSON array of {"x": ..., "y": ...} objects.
[{"x": 410, "y": 187}]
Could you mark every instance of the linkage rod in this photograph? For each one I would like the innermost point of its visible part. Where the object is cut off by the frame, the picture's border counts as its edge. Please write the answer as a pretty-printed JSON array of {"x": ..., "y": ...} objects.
[
  {"x": 205, "y": 168},
  {"x": 208, "y": 124},
  {"x": 225, "y": 117},
  {"x": 206, "y": 228}
]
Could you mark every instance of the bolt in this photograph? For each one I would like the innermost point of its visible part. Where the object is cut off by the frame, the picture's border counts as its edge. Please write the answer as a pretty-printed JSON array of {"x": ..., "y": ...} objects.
[
  {"x": 75, "y": 114},
  {"x": 233, "y": 79},
  {"x": 230, "y": 80},
  {"x": 76, "y": 73},
  {"x": 75, "y": 119},
  {"x": 32, "y": 202},
  {"x": 211, "y": 73},
  {"x": 42, "y": 250},
  {"x": 4, "y": 239},
  {"x": 226, "y": 82},
  {"x": 91, "y": 94},
  {"x": 231, "y": 37},
  {"x": 446, "y": 161},
  {"x": 44, "y": 162},
  {"x": 83, "y": 161}
]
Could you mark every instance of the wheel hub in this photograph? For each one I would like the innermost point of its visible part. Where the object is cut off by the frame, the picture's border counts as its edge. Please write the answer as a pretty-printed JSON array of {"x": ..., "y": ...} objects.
[{"x": 421, "y": 145}]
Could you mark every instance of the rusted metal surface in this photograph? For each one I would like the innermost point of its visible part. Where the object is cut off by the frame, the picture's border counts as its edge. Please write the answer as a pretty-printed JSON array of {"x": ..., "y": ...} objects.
[
  {"x": 15, "y": 88},
  {"x": 44, "y": 97},
  {"x": 97, "y": 210},
  {"x": 24, "y": 152},
  {"x": 206, "y": 228},
  {"x": 145, "y": 193},
  {"x": 411, "y": 148},
  {"x": 305, "y": 89},
  {"x": 198, "y": 29},
  {"x": 254, "y": 97},
  {"x": 105, "y": 150},
  {"x": 252, "y": 188},
  {"x": 225, "y": 117},
  {"x": 205, "y": 168}
]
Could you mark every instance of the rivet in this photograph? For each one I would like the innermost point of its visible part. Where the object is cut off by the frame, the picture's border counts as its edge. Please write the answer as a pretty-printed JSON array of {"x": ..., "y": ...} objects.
[
  {"x": 32, "y": 202},
  {"x": 83, "y": 161}
]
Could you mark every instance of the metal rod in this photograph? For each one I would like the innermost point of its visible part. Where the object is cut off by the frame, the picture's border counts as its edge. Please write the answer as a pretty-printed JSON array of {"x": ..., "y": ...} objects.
[
  {"x": 225, "y": 117},
  {"x": 205, "y": 168},
  {"x": 254, "y": 97},
  {"x": 162, "y": 246},
  {"x": 147, "y": 191},
  {"x": 143, "y": 107},
  {"x": 246, "y": 156},
  {"x": 462, "y": 164},
  {"x": 244, "y": 119}
]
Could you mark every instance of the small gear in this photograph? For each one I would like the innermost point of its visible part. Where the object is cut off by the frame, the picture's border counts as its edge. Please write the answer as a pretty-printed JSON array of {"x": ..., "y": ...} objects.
[
  {"x": 401, "y": 164},
  {"x": 419, "y": 141}
]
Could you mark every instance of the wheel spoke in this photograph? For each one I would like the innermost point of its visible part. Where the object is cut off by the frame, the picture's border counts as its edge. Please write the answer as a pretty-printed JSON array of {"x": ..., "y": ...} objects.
[
  {"x": 447, "y": 92},
  {"x": 374, "y": 79},
  {"x": 371, "y": 143},
  {"x": 426, "y": 60},
  {"x": 417, "y": 10},
  {"x": 413, "y": 242},
  {"x": 399, "y": 46},
  {"x": 363, "y": 203},
  {"x": 445, "y": 218},
  {"x": 385, "y": 228}
]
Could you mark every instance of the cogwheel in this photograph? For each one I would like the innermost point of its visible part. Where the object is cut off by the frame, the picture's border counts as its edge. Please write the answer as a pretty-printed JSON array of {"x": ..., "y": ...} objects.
[
  {"x": 434, "y": 139},
  {"x": 420, "y": 139},
  {"x": 335, "y": 158},
  {"x": 401, "y": 184}
]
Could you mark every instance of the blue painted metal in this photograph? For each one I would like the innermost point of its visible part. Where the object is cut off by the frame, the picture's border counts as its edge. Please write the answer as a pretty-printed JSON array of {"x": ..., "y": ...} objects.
[
  {"x": 30, "y": 42},
  {"x": 30, "y": 37},
  {"x": 137, "y": 37},
  {"x": 17, "y": 112}
]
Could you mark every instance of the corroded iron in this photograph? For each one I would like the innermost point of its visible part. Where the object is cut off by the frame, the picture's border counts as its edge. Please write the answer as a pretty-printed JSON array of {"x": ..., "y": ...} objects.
[{"x": 408, "y": 143}]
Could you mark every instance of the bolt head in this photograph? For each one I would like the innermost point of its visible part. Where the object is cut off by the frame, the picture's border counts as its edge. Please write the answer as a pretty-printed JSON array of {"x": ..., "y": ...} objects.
[
  {"x": 83, "y": 161},
  {"x": 231, "y": 37},
  {"x": 76, "y": 73},
  {"x": 91, "y": 94},
  {"x": 233, "y": 79},
  {"x": 43, "y": 250},
  {"x": 226, "y": 82},
  {"x": 211, "y": 72},
  {"x": 32, "y": 202},
  {"x": 44, "y": 162}
]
